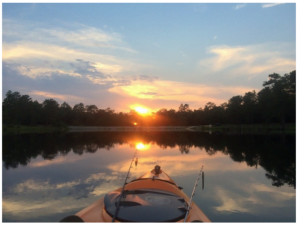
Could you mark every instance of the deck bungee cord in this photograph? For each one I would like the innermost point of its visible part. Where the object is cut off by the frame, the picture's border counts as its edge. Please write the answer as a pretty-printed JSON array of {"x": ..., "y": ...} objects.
[
  {"x": 125, "y": 182},
  {"x": 193, "y": 192}
]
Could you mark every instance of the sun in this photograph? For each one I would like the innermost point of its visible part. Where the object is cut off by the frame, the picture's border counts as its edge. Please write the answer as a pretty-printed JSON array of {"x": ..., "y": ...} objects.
[
  {"x": 142, "y": 147},
  {"x": 141, "y": 110}
]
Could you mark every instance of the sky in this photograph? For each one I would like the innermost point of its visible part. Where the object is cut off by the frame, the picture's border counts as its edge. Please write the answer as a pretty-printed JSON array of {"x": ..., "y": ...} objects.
[{"x": 122, "y": 55}]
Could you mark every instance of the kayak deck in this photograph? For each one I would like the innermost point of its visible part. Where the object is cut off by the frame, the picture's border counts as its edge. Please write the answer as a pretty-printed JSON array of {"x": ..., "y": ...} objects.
[
  {"x": 143, "y": 205},
  {"x": 153, "y": 197}
]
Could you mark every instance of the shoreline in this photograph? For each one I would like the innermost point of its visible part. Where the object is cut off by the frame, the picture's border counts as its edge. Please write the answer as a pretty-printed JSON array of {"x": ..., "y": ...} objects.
[
  {"x": 126, "y": 128},
  {"x": 253, "y": 129}
]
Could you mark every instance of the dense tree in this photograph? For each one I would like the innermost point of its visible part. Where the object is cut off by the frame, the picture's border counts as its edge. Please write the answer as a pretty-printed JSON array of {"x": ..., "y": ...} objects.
[
  {"x": 234, "y": 109},
  {"x": 280, "y": 91},
  {"x": 79, "y": 117},
  {"x": 50, "y": 111},
  {"x": 11, "y": 114},
  {"x": 36, "y": 113},
  {"x": 66, "y": 113},
  {"x": 249, "y": 106}
]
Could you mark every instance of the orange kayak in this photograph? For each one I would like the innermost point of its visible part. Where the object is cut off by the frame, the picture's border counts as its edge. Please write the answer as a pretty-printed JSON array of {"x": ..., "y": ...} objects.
[{"x": 153, "y": 197}]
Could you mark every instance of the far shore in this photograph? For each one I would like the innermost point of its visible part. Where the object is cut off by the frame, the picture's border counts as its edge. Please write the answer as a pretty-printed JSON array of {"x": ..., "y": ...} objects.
[
  {"x": 255, "y": 128},
  {"x": 126, "y": 128},
  {"x": 260, "y": 128}
]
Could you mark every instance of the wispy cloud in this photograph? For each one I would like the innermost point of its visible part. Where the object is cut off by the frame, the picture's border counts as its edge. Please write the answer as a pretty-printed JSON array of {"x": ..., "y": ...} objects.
[
  {"x": 29, "y": 46},
  {"x": 55, "y": 96},
  {"x": 268, "y": 5},
  {"x": 29, "y": 50},
  {"x": 230, "y": 202},
  {"x": 240, "y": 6},
  {"x": 248, "y": 60},
  {"x": 76, "y": 35}
]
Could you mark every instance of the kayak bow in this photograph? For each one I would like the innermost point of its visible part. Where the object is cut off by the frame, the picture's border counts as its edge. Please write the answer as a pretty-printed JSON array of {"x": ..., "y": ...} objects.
[{"x": 153, "y": 197}]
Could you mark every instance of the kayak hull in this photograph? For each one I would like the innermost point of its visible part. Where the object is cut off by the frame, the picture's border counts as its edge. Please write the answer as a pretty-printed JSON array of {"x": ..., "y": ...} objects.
[{"x": 159, "y": 184}]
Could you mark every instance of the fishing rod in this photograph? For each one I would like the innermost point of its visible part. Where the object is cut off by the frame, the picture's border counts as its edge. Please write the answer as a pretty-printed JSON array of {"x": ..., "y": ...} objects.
[
  {"x": 193, "y": 193},
  {"x": 125, "y": 182}
]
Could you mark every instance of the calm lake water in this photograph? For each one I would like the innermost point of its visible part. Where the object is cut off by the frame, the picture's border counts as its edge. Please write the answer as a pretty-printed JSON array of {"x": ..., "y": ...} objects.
[{"x": 248, "y": 178}]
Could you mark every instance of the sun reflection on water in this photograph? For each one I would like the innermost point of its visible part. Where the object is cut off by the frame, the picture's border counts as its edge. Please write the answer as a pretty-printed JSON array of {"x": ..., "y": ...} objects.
[{"x": 142, "y": 147}]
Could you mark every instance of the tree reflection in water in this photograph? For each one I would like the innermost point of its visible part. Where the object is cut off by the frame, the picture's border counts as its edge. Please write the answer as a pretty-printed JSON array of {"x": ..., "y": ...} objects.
[{"x": 275, "y": 153}]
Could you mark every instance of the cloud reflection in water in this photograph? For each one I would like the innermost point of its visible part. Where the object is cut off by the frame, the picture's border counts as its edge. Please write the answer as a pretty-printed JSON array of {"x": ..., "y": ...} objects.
[{"x": 70, "y": 182}]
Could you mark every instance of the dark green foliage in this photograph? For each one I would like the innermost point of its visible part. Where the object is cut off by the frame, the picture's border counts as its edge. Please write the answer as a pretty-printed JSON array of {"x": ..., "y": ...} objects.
[{"x": 275, "y": 103}]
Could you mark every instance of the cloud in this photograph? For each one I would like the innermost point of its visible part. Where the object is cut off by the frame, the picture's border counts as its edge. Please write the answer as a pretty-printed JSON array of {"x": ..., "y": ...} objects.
[
  {"x": 73, "y": 35},
  {"x": 31, "y": 186},
  {"x": 61, "y": 86},
  {"x": 251, "y": 201},
  {"x": 43, "y": 60},
  {"x": 179, "y": 165},
  {"x": 29, "y": 52},
  {"x": 41, "y": 198},
  {"x": 78, "y": 68},
  {"x": 55, "y": 62},
  {"x": 248, "y": 61},
  {"x": 229, "y": 203},
  {"x": 268, "y": 5},
  {"x": 55, "y": 96},
  {"x": 90, "y": 71},
  {"x": 144, "y": 78},
  {"x": 29, "y": 43},
  {"x": 240, "y": 6},
  {"x": 86, "y": 68},
  {"x": 184, "y": 91},
  {"x": 149, "y": 93}
]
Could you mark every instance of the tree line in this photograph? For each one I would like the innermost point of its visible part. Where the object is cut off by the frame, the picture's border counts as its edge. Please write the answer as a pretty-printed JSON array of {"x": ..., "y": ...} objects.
[{"x": 274, "y": 103}]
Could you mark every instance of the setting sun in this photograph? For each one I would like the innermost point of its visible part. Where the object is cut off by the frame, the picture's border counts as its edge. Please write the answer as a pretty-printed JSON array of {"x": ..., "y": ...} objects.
[{"x": 141, "y": 110}]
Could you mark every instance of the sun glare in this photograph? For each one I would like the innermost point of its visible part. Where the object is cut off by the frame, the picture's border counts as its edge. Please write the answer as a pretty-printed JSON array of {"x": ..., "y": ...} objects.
[
  {"x": 142, "y": 147},
  {"x": 141, "y": 110}
]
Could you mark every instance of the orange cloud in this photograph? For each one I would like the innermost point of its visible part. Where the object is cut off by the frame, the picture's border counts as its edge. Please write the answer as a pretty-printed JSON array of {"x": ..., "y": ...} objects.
[
  {"x": 178, "y": 91},
  {"x": 56, "y": 96}
]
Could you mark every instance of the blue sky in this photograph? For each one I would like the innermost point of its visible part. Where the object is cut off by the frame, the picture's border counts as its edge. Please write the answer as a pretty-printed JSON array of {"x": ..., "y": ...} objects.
[{"x": 152, "y": 55}]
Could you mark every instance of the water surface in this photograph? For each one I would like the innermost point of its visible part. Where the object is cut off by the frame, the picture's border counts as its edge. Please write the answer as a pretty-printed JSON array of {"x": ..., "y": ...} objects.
[{"x": 248, "y": 178}]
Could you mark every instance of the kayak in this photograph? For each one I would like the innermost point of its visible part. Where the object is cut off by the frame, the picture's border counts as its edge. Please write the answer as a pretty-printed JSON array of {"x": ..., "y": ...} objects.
[{"x": 153, "y": 197}]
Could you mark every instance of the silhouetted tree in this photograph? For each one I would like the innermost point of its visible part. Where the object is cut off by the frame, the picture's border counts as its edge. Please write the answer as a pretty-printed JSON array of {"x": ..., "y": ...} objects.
[
  {"x": 50, "y": 111},
  {"x": 234, "y": 109},
  {"x": 249, "y": 106},
  {"x": 66, "y": 113}
]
